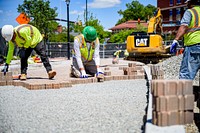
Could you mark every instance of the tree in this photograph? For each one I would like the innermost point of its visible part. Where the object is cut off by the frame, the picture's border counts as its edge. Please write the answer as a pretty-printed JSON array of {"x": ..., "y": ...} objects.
[
  {"x": 120, "y": 37},
  {"x": 40, "y": 13},
  {"x": 136, "y": 10},
  {"x": 149, "y": 11},
  {"x": 93, "y": 21}
]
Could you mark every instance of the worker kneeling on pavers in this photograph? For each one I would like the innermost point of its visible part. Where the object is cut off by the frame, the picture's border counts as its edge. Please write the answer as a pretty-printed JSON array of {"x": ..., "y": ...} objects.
[
  {"x": 86, "y": 58},
  {"x": 27, "y": 38}
]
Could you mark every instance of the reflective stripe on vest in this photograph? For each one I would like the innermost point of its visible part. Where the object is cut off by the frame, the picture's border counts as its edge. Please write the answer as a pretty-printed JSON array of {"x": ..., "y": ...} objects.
[
  {"x": 191, "y": 37},
  {"x": 26, "y": 25},
  {"x": 196, "y": 25},
  {"x": 86, "y": 54}
]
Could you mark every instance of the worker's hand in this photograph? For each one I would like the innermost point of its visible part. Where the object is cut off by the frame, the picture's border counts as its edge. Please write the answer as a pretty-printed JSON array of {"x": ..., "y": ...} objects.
[
  {"x": 99, "y": 71},
  {"x": 174, "y": 46},
  {"x": 5, "y": 69},
  {"x": 83, "y": 74}
]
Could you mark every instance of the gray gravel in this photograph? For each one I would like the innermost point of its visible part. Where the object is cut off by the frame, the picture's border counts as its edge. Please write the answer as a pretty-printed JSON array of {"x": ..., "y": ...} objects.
[
  {"x": 109, "y": 107},
  {"x": 171, "y": 68}
]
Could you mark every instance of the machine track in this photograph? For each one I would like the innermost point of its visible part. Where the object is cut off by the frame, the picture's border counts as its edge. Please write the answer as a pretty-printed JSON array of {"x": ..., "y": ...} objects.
[{"x": 148, "y": 58}]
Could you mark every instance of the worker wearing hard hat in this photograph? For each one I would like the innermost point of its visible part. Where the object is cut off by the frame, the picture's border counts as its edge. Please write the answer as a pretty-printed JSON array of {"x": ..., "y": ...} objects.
[
  {"x": 27, "y": 38},
  {"x": 86, "y": 59},
  {"x": 190, "y": 29}
]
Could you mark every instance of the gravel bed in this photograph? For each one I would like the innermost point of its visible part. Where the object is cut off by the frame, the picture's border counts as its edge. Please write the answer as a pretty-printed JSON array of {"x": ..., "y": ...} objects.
[{"x": 109, "y": 107}]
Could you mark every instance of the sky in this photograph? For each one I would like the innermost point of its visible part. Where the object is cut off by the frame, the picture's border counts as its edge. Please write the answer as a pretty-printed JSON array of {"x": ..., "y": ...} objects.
[{"x": 104, "y": 10}]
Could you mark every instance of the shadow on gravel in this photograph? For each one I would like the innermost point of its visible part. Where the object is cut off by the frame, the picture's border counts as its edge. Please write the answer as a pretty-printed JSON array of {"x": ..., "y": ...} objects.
[
  {"x": 196, "y": 92},
  {"x": 146, "y": 108},
  {"x": 32, "y": 78},
  {"x": 36, "y": 78}
]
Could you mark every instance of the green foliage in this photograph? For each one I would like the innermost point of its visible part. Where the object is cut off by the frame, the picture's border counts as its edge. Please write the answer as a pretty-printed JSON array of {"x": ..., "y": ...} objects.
[
  {"x": 136, "y": 10},
  {"x": 149, "y": 10},
  {"x": 92, "y": 21},
  {"x": 120, "y": 37},
  {"x": 40, "y": 13},
  {"x": 140, "y": 28}
]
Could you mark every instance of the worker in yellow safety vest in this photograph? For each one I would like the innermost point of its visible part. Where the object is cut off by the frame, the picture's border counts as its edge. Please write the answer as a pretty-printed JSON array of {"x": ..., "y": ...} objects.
[
  {"x": 190, "y": 29},
  {"x": 27, "y": 38},
  {"x": 86, "y": 59}
]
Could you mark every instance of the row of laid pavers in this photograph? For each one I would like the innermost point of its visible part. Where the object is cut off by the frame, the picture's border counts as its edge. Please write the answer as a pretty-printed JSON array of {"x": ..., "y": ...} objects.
[{"x": 129, "y": 72}]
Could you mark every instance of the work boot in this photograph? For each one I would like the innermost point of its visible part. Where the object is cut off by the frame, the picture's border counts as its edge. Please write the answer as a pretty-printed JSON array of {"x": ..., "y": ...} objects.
[
  {"x": 51, "y": 74},
  {"x": 74, "y": 72},
  {"x": 23, "y": 77}
]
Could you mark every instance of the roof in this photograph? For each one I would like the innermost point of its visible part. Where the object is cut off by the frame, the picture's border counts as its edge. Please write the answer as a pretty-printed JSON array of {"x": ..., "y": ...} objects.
[{"x": 131, "y": 24}]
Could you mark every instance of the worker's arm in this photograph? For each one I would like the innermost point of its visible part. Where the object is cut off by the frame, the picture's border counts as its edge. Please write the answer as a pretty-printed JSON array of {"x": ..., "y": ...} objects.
[
  {"x": 96, "y": 53},
  {"x": 185, "y": 22},
  {"x": 78, "y": 54},
  {"x": 11, "y": 48},
  {"x": 181, "y": 31}
]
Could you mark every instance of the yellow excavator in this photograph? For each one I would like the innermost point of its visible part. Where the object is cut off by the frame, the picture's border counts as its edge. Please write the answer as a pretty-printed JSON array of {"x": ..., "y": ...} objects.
[{"x": 148, "y": 47}]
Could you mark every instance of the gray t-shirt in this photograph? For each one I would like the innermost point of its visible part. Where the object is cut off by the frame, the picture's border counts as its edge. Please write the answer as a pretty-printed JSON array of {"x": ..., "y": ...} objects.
[{"x": 187, "y": 17}]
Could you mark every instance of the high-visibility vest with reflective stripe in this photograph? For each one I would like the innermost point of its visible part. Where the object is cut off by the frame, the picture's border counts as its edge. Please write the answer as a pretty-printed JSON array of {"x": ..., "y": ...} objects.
[
  {"x": 27, "y": 36},
  {"x": 193, "y": 33},
  {"x": 86, "y": 54}
]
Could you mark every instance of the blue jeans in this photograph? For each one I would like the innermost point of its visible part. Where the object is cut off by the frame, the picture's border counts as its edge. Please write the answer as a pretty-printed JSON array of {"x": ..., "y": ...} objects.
[{"x": 190, "y": 63}]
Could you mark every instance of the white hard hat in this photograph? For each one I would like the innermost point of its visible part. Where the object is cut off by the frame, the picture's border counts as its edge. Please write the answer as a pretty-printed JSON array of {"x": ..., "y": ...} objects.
[{"x": 7, "y": 32}]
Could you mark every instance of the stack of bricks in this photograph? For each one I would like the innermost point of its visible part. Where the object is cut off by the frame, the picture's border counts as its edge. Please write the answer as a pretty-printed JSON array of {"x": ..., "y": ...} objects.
[
  {"x": 156, "y": 72},
  {"x": 134, "y": 71},
  {"x": 107, "y": 74},
  {"x": 6, "y": 79},
  {"x": 173, "y": 102}
]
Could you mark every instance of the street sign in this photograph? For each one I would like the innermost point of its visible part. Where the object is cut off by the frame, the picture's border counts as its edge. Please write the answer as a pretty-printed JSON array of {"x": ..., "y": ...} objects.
[{"x": 22, "y": 19}]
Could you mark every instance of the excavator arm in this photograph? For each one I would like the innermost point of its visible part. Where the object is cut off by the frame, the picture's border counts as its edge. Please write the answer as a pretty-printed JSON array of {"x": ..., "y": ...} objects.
[{"x": 155, "y": 23}]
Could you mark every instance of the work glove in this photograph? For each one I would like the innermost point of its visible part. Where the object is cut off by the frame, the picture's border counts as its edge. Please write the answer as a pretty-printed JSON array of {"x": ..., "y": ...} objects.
[
  {"x": 173, "y": 47},
  {"x": 5, "y": 69},
  {"x": 83, "y": 74},
  {"x": 99, "y": 71}
]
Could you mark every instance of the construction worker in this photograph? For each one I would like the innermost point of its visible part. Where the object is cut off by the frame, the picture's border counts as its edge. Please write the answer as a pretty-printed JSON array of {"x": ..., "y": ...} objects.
[
  {"x": 190, "y": 25},
  {"x": 86, "y": 59},
  {"x": 116, "y": 57},
  {"x": 27, "y": 38}
]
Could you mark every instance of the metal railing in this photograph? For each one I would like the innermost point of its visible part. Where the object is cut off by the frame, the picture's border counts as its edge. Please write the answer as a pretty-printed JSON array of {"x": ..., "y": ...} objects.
[{"x": 57, "y": 49}]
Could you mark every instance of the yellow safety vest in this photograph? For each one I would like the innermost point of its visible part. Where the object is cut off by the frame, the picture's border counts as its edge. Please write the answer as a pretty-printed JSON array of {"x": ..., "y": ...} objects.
[
  {"x": 193, "y": 33},
  {"x": 86, "y": 54},
  {"x": 26, "y": 36}
]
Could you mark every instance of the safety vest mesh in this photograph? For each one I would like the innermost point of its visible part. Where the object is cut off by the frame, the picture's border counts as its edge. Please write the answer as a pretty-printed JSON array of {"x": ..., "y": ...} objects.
[
  {"x": 193, "y": 32},
  {"x": 86, "y": 54},
  {"x": 27, "y": 36}
]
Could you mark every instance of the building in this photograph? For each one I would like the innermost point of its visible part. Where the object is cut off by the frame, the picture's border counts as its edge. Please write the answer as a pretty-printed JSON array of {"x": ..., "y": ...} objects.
[
  {"x": 172, "y": 12},
  {"x": 131, "y": 24},
  {"x": 59, "y": 29}
]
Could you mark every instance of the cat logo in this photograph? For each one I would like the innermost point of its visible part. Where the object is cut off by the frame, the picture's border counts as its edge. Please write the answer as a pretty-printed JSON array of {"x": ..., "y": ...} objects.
[{"x": 141, "y": 42}]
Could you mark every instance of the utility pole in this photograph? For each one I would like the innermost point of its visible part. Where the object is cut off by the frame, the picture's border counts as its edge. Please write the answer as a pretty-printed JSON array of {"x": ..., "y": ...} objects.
[
  {"x": 86, "y": 13},
  {"x": 68, "y": 36}
]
